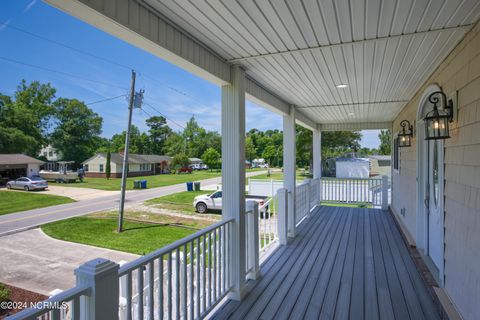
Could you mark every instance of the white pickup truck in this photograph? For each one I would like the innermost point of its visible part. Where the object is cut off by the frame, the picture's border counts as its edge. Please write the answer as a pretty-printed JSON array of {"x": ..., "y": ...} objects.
[{"x": 213, "y": 201}]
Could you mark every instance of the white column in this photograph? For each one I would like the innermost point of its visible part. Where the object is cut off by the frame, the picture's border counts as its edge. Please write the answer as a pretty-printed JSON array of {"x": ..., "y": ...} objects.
[
  {"x": 233, "y": 174},
  {"x": 289, "y": 167},
  {"x": 317, "y": 153},
  {"x": 317, "y": 159}
]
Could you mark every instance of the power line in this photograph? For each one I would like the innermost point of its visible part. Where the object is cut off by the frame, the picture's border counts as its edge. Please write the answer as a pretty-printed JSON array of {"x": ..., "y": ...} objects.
[
  {"x": 180, "y": 92},
  {"x": 106, "y": 99},
  {"x": 64, "y": 45},
  {"x": 61, "y": 72},
  {"x": 162, "y": 114}
]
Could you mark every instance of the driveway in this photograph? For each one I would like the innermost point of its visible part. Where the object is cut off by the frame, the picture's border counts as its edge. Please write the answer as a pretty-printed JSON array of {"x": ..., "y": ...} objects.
[
  {"x": 20, "y": 221},
  {"x": 32, "y": 260},
  {"x": 78, "y": 194}
]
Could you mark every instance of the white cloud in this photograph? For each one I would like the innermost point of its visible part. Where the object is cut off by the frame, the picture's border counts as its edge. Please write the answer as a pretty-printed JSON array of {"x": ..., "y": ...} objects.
[
  {"x": 5, "y": 24},
  {"x": 30, "y": 6}
]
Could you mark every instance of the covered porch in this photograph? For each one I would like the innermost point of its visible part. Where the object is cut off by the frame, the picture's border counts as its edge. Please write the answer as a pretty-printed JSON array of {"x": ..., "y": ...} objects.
[
  {"x": 345, "y": 263},
  {"x": 341, "y": 65}
]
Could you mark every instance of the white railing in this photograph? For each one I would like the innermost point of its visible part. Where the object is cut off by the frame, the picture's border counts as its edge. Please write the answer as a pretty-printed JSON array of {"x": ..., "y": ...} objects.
[
  {"x": 307, "y": 196},
  {"x": 65, "y": 305},
  {"x": 355, "y": 190},
  {"x": 185, "y": 279},
  {"x": 267, "y": 224}
]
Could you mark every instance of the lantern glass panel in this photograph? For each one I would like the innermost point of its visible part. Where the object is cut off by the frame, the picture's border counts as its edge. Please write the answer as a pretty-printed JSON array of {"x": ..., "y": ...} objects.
[{"x": 437, "y": 128}]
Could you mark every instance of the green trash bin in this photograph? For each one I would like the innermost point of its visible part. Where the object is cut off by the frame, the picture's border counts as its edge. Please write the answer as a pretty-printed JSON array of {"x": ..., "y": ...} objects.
[
  {"x": 136, "y": 184},
  {"x": 197, "y": 186}
]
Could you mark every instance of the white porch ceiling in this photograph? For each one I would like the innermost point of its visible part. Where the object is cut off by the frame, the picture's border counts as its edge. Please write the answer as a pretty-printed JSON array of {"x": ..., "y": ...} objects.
[{"x": 299, "y": 50}]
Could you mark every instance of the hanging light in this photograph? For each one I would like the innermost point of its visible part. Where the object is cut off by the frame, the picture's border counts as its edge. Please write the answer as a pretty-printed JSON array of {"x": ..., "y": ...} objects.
[
  {"x": 405, "y": 136},
  {"x": 436, "y": 121}
]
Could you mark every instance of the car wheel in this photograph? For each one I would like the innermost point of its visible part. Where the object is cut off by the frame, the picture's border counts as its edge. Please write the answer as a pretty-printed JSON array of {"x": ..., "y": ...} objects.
[
  {"x": 9, "y": 186},
  {"x": 201, "y": 207},
  {"x": 26, "y": 188}
]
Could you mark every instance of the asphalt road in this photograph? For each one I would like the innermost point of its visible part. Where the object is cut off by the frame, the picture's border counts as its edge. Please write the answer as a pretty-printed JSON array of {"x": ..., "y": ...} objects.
[{"x": 20, "y": 221}]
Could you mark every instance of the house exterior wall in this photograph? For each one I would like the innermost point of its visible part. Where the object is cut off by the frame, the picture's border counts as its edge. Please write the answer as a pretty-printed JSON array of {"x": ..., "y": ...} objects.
[
  {"x": 459, "y": 71},
  {"x": 134, "y": 170},
  {"x": 33, "y": 169}
]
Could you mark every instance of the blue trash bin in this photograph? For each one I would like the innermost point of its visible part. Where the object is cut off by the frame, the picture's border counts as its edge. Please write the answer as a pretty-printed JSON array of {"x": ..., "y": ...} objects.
[
  {"x": 144, "y": 184},
  {"x": 189, "y": 186}
]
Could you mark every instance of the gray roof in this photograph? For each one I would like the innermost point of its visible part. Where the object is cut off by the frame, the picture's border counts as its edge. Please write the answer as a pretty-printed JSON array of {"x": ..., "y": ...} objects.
[
  {"x": 133, "y": 158},
  {"x": 18, "y": 158},
  {"x": 381, "y": 157}
]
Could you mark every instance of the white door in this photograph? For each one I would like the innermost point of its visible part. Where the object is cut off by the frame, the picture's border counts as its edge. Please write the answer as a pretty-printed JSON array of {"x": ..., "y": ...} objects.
[{"x": 435, "y": 201}]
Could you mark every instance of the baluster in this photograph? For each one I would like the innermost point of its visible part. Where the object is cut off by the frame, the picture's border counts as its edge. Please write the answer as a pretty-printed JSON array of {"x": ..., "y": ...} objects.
[
  {"x": 129, "y": 295},
  {"x": 169, "y": 291},
  {"x": 198, "y": 282},
  {"x": 192, "y": 259},
  {"x": 140, "y": 291},
  {"x": 184, "y": 282},
  {"x": 214, "y": 265},
  {"x": 204, "y": 300},
  {"x": 151, "y": 284},
  {"x": 177, "y": 283},
  {"x": 160, "y": 288}
]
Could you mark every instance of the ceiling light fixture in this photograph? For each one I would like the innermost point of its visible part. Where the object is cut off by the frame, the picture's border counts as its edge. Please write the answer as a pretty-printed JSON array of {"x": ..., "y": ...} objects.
[{"x": 341, "y": 86}]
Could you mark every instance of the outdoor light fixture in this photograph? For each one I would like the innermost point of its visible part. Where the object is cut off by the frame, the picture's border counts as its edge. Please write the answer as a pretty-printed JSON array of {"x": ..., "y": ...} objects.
[
  {"x": 436, "y": 121},
  {"x": 405, "y": 136}
]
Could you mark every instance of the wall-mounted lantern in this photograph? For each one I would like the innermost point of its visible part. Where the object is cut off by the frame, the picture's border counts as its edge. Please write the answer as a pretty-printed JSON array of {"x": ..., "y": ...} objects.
[
  {"x": 405, "y": 136},
  {"x": 436, "y": 121}
]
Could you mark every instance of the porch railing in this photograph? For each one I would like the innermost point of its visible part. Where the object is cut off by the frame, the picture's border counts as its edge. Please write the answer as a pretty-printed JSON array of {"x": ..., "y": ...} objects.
[
  {"x": 307, "y": 196},
  {"x": 373, "y": 191}
]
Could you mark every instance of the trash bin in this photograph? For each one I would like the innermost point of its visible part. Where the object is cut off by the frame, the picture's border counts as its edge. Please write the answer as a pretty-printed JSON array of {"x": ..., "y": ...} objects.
[
  {"x": 144, "y": 184},
  {"x": 136, "y": 184},
  {"x": 189, "y": 186},
  {"x": 197, "y": 186}
]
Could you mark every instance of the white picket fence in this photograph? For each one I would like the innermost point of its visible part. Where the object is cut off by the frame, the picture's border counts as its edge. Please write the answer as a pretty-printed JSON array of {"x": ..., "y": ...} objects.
[{"x": 373, "y": 191}]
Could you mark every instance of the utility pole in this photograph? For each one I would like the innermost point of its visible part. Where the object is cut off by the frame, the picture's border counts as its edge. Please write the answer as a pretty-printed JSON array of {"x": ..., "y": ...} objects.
[{"x": 125, "y": 154}]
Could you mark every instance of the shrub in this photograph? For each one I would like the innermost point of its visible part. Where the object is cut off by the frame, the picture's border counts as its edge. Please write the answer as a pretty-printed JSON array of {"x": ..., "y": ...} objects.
[{"x": 4, "y": 293}]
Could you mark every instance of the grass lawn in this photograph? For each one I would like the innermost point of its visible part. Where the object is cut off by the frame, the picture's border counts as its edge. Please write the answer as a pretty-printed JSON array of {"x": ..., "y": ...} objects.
[
  {"x": 15, "y": 201},
  {"x": 137, "y": 237},
  {"x": 278, "y": 175},
  {"x": 152, "y": 181},
  {"x": 348, "y": 205},
  {"x": 181, "y": 201}
]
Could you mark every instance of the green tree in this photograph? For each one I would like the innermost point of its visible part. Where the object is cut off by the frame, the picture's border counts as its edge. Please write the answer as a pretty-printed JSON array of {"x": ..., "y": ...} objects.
[
  {"x": 250, "y": 150},
  {"x": 385, "y": 137},
  {"x": 107, "y": 165},
  {"x": 269, "y": 154},
  {"x": 304, "y": 146},
  {"x": 25, "y": 118},
  {"x": 174, "y": 144},
  {"x": 159, "y": 132},
  {"x": 180, "y": 161},
  {"x": 76, "y": 131},
  {"x": 211, "y": 158}
]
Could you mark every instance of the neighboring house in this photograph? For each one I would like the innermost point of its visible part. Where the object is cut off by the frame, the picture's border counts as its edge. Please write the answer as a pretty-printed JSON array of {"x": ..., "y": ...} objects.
[
  {"x": 259, "y": 163},
  {"x": 50, "y": 153},
  {"x": 352, "y": 168},
  {"x": 380, "y": 165},
  {"x": 13, "y": 166},
  {"x": 138, "y": 165}
]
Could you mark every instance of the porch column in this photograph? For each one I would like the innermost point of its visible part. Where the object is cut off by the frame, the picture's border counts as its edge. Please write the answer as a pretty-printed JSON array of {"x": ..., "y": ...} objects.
[
  {"x": 317, "y": 158},
  {"x": 317, "y": 153},
  {"x": 233, "y": 174},
  {"x": 289, "y": 167}
]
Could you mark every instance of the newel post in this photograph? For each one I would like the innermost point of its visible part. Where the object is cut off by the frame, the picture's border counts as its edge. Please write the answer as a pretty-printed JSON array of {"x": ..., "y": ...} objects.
[
  {"x": 101, "y": 275},
  {"x": 253, "y": 257},
  {"x": 384, "y": 193},
  {"x": 282, "y": 221}
]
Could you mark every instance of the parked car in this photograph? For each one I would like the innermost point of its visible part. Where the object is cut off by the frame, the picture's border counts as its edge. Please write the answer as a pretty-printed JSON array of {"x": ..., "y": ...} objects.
[
  {"x": 213, "y": 201},
  {"x": 184, "y": 170},
  {"x": 199, "y": 166},
  {"x": 28, "y": 183}
]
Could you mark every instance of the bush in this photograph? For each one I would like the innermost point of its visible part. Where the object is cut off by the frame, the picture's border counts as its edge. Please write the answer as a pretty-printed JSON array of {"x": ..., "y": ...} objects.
[{"x": 4, "y": 293}]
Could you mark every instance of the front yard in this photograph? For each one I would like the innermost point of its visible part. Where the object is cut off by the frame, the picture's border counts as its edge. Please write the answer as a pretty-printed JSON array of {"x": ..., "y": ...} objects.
[
  {"x": 182, "y": 201},
  {"x": 101, "y": 231},
  {"x": 15, "y": 201},
  {"x": 161, "y": 180}
]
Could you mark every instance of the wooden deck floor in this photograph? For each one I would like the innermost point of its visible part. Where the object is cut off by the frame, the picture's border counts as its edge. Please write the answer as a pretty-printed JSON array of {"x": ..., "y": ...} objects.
[{"x": 345, "y": 263}]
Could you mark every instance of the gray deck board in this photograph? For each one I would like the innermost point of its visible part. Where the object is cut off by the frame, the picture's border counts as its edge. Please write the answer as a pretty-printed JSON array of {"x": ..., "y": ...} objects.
[{"x": 345, "y": 263}]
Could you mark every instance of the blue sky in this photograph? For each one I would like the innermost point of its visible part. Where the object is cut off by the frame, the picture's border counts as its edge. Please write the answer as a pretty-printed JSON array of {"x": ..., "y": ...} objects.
[{"x": 169, "y": 89}]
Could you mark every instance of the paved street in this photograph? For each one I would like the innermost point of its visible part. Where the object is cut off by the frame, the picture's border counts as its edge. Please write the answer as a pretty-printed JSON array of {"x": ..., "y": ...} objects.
[
  {"x": 32, "y": 260},
  {"x": 15, "y": 222}
]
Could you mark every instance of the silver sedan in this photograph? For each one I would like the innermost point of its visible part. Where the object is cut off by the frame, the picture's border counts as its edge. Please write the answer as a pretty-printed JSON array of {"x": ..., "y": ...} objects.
[{"x": 27, "y": 184}]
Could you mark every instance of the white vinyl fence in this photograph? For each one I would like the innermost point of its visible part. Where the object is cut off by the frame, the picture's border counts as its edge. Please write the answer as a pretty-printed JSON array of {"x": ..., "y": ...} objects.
[{"x": 372, "y": 191}]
